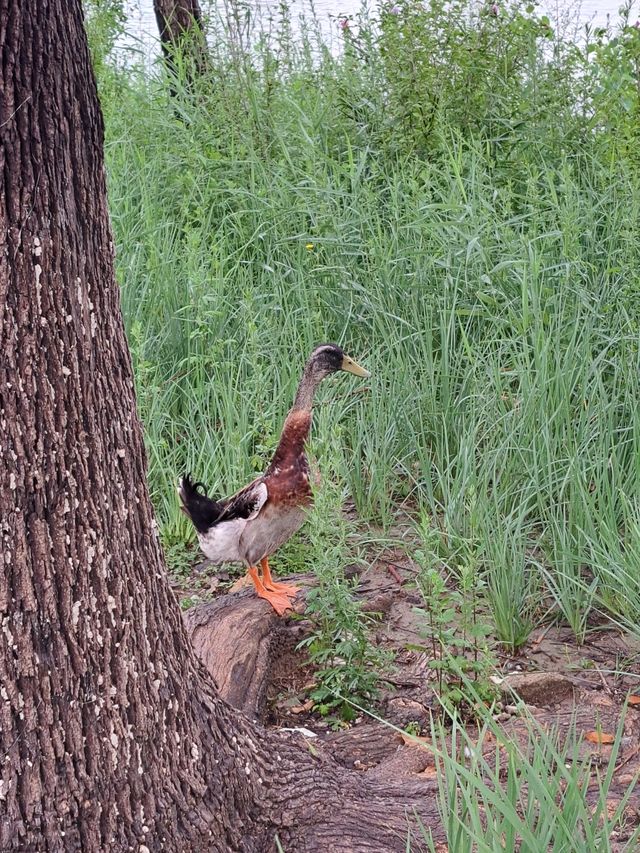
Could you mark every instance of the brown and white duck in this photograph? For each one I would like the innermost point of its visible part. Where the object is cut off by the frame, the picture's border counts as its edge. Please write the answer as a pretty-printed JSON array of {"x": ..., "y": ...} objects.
[{"x": 250, "y": 525}]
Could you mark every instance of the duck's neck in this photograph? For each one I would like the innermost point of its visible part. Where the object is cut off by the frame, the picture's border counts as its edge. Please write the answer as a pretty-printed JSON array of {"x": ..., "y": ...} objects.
[
  {"x": 306, "y": 390},
  {"x": 297, "y": 425},
  {"x": 293, "y": 440}
]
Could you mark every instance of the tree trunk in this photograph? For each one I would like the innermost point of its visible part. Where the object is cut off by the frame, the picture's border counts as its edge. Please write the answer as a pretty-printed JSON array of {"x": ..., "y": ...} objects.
[
  {"x": 182, "y": 37},
  {"x": 112, "y": 732}
]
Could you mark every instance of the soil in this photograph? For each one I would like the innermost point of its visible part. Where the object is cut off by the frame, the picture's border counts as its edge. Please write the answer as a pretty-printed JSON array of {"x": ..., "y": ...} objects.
[{"x": 253, "y": 656}]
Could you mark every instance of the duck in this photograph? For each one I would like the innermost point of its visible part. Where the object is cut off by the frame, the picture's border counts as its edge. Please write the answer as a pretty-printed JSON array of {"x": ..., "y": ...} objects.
[{"x": 252, "y": 524}]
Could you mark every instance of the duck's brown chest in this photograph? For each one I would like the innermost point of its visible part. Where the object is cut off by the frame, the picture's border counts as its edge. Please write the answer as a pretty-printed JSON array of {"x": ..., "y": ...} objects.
[{"x": 290, "y": 485}]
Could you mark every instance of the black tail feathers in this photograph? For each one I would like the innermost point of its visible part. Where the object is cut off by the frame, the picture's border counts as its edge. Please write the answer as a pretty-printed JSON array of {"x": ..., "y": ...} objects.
[{"x": 203, "y": 511}]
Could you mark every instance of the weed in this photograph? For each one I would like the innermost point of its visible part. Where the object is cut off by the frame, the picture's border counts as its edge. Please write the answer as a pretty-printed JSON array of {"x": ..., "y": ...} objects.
[
  {"x": 456, "y": 633},
  {"x": 454, "y": 201},
  {"x": 349, "y": 665},
  {"x": 179, "y": 558}
]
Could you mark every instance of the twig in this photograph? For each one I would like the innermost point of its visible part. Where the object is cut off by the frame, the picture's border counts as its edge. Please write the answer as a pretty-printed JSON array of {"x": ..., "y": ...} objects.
[
  {"x": 411, "y": 569},
  {"x": 604, "y": 681},
  {"x": 398, "y": 682},
  {"x": 631, "y": 755},
  {"x": 537, "y": 642},
  {"x": 394, "y": 573}
]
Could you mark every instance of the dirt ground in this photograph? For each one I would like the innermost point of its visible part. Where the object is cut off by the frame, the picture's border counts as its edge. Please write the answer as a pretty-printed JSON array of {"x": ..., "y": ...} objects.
[{"x": 253, "y": 656}]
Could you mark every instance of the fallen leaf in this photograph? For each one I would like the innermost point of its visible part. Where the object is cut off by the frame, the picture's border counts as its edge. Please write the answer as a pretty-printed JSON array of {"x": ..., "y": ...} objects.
[
  {"x": 414, "y": 740},
  {"x": 599, "y": 737},
  {"x": 300, "y": 730},
  {"x": 429, "y": 772},
  {"x": 300, "y": 709},
  {"x": 634, "y": 700},
  {"x": 601, "y": 700}
]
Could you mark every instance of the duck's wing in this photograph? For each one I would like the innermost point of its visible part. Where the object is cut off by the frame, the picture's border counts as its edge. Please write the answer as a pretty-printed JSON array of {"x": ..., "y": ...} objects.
[{"x": 246, "y": 503}]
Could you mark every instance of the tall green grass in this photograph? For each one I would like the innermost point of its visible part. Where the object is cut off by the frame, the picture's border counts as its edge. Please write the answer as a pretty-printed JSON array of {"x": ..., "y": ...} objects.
[
  {"x": 533, "y": 789},
  {"x": 488, "y": 279},
  {"x": 541, "y": 794}
]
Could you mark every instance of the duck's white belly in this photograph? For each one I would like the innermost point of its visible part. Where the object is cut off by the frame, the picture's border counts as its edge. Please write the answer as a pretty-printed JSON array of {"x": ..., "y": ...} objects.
[
  {"x": 221, "y": 543},
  {"x": 248, "y": 540}
]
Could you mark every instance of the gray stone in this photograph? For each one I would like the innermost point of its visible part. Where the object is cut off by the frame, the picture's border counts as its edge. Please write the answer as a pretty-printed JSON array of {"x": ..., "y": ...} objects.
[{"x": 538, "y": 688}]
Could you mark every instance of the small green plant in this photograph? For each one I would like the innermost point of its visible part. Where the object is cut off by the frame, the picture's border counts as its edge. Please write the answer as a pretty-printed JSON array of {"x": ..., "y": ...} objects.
[
  {"x": 179, "y": 558},
  {"x": 615, "y": 78},
  {"x": 349, "y": 665},
  {"x": 413, "y": 728},
  {"x": 456, "y": 635}
]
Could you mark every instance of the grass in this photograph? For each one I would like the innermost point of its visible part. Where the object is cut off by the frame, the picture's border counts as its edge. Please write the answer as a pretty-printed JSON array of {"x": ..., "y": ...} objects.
[
  {"x": 484, "y": 270},
  {"x": 534, "y": 789},
  {"x": 490, "y": 286},
  {"x": 453, "y": 196},
  {"x": 496, "y": 793}
]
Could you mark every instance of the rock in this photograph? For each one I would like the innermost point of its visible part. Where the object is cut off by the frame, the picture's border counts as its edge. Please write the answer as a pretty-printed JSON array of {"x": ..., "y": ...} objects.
[
  {"x": 204, "y": 566},
  {"x": 538, "y": 688},
  {"x": 380, "y": 603}
]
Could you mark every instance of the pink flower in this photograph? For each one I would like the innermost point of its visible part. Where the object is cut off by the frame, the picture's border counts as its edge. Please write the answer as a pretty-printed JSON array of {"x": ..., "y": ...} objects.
[
  {"x": 637, "y": 25},
  {"x": 494, "y": 9},
  {"x": 395, "y": 10},
  {"x": 344, "y": 23}
]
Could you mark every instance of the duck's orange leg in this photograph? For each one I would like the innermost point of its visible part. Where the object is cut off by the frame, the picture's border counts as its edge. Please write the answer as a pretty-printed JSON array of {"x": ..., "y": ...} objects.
[
  {"x": 277, "y": 600},
  {"x": 287, "y": 589}
]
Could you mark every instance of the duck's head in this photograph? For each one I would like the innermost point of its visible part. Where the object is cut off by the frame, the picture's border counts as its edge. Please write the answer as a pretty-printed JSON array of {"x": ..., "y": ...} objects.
[
  {"x": 323, "y": 361},
  {"x": 330, "y": 358}
]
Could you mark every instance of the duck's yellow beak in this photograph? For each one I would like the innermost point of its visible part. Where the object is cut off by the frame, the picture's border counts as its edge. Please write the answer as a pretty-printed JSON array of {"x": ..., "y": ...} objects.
[{"x": 350, "y": 366}]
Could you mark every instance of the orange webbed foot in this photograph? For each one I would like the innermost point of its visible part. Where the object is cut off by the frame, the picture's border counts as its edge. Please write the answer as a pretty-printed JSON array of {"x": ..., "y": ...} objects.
[
  {"x": 288, "y": 589},
  {"x": 277, "y": 600}
]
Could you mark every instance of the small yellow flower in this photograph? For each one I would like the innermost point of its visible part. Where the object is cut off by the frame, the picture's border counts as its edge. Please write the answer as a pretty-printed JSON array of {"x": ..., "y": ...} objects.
[{"x": 309, "y": 247}]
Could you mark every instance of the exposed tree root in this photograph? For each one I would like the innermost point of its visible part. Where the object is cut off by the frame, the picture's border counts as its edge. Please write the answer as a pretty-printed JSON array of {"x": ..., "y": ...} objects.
[
  {"x": 239, "y": 638},
  {"x": 318, "y": 802}
]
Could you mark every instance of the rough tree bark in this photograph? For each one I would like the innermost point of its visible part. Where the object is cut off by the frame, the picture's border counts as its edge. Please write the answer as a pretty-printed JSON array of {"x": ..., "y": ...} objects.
[
  {"x": 182, "y": 32},
  {"x": 112, "y": 734}
]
